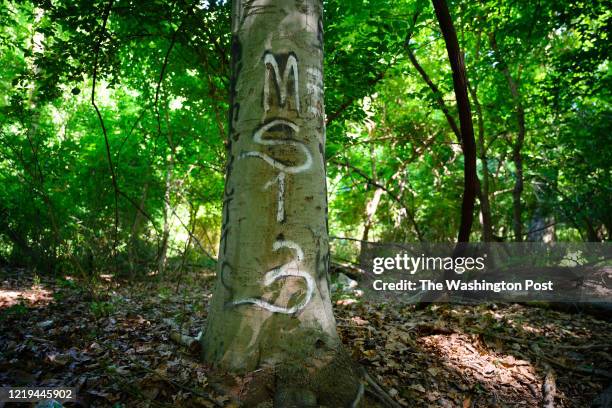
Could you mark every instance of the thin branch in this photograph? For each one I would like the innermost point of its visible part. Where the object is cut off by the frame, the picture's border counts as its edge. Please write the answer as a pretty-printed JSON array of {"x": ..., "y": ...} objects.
[
  {"x": 191, "y": 235},
  {"x": 437, "y": 94},
  {"x": 393, "y": 196},
  {"x": 106, "y": 141},
  {"x": 162, "y": 74},
  {"x": 346, "y": 104}
]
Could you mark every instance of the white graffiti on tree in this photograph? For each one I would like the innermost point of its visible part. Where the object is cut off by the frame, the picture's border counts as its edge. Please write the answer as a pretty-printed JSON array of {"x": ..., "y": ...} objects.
[
  {"x": 280, "y": 206},
  {"x": 281, "y": 81},
  {"x": 258, "y": 138},
  {"x": 283, "y": 168},
  {"x": 291, "y": 268}
]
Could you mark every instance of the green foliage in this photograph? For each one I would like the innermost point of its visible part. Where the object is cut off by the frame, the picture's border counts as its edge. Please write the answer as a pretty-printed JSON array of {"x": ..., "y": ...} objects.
[
  {"x": 66, "y": 283},
  {"x": 101, "y": 309},
  {"x": 161, "y": 74},
  {"x": 18, "y": 309}
]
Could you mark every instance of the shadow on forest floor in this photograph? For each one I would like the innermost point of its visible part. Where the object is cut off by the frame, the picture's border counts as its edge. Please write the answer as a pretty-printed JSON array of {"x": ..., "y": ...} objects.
[{"x": 116, "y": 349}]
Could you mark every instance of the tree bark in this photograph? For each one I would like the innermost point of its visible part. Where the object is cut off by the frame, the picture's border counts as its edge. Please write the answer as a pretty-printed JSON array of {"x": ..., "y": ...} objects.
[
  {"x": 168, "y": 191},
  {"x": 371, "y": 207},
  {"x": 437, "y": 94},
  {"x": 465, "y": 118},
  {"x": 271, "y": 307},
  {"x": 483, "y": 190},
  {"x": 517, "y": 157},
  {"x": 132, "y": 249}
]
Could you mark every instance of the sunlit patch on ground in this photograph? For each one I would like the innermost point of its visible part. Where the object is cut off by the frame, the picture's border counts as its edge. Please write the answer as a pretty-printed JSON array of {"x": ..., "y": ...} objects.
[
  {"x": 530, "y": 329},
  {"x": 497, "y": 373},
  {"x": 479, "y": 355},
  {"x": 35, "y": 296}
]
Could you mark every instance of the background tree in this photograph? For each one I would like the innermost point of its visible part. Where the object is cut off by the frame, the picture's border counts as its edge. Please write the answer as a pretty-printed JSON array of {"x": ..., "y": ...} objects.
[
  {"x": 460, "y": 83},
  {"x": 162, "y": 85}
]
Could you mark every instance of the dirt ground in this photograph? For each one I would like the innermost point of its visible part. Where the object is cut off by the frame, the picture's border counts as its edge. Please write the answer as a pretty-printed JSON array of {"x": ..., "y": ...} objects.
[{"x": 116, "y": 350}]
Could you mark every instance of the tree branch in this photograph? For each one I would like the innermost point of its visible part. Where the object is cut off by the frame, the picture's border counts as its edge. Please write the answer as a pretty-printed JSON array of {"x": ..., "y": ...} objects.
[
  {"x": 346, "y": 104},
  {"x": 437, "y": 94},
  {"x": 101, "y": 120},
  {"x": 393, "y": 196}
]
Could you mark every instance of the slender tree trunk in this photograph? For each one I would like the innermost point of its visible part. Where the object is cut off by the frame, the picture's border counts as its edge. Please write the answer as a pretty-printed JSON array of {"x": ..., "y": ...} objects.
[
  {"x": 271, "y": 308},
  {"x": 109, "y": 158},
  {"x": 591, "y": 232},
  {"x": 169, "y": 186},
  {"x": 135, "y": 230},
  {"x": 465, "y": 133},
  {"x": 371, "y": 207},
  {"x": 465, "y": 118},
  {"x": 483, "y": 186},
  {"x": 517, "y": 157},
  {"x": 167, "y": 213},
  {"x": 483, "y": 190},
  {"x": 48, "y": 260}
]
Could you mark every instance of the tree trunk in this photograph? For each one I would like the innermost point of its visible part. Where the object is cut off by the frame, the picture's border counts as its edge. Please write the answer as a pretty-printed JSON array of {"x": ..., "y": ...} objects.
[
  {"x": 466, "y": 221},
  {"x": 371, "y": 204},
  {"x": 132, "y": 249},
  {"x": 169, "y": 187},
  {"x": 591, "y": 232},
  {"x": 163, "y": 248},
  {"x": 483, "y": 190},
  {"x": 271, "y": 307},
  {"x": 371, "y": 207},
  {"x": 517, "y": 157},
  {"x": 465, "y": 118},
  {"x": 48, "y": 259}
]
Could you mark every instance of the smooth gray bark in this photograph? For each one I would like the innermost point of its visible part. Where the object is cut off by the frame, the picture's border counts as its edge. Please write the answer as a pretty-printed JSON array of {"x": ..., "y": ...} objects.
[{"x": 271, "y": 306}]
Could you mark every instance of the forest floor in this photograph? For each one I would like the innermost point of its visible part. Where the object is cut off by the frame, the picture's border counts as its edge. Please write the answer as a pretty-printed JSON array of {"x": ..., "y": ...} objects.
[{"x": 116, "y": 349}]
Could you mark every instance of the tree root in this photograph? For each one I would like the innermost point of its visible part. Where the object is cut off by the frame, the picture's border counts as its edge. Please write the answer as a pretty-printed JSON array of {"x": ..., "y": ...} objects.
[
  {"x": 377, "y": 392},
  {"x": 191, "y": 343},
  {"x": 359, "y": 397}
]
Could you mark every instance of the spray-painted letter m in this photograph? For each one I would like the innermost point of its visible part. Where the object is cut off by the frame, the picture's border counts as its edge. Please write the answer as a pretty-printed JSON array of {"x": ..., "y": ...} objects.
[{"x": 281, "y": 82}]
